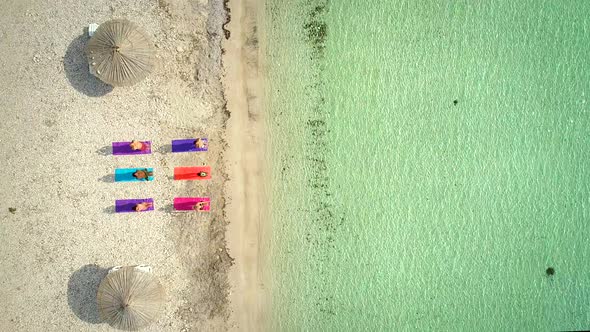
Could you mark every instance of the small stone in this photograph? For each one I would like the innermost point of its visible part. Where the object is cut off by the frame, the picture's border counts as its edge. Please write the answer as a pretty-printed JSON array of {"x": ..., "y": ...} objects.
[
  {"x": 179, "y": 49},
  {"x": 12, "y": 210}
]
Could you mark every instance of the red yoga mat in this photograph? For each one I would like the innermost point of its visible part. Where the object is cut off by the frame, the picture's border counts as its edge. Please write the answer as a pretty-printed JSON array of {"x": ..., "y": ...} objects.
[{"x": 190, "y": 173}]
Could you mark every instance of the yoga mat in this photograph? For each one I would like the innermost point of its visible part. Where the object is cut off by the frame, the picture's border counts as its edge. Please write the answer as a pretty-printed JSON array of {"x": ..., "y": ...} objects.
[
  {"x": 127, "y": 205},
  {"x": 122, "y": 148},
  {"x": 190, "y": 173},
  {"x": 188, "y": 145},
  {"x": 126, "y": 174},
  {"x": 188, "y": 203}
]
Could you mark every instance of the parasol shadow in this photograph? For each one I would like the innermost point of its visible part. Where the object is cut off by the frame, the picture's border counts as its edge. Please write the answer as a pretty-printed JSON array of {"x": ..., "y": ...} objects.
[
  {"x": 76, "y": 69},
  {"x": 82, "y": 288}
]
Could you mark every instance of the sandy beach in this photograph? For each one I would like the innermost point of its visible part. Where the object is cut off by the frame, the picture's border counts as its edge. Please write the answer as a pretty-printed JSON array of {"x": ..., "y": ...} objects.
[
  {"x": 58, "y": 227},
  {"x": 248, "y": 229}
]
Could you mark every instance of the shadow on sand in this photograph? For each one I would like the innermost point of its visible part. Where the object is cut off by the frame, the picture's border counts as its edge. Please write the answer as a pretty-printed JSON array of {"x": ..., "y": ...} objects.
[
  {"x": 76, "y": 68},
  {"x": 109, "y": 210},
  {"x": 168, "y": 208},
  {"x": 107, "y": 178},
  {"x": 166, "y": 148},
  {"x": 105, "y": 150},
  {"x": 82, "y": 288}
]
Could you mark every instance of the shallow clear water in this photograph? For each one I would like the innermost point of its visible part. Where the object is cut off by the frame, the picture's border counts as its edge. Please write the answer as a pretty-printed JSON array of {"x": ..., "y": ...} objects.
[{"x": 393, "y": 206}]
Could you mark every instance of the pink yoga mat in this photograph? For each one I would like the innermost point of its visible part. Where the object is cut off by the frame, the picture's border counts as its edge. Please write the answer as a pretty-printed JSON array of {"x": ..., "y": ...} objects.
[{"x": 188, "y": 203}]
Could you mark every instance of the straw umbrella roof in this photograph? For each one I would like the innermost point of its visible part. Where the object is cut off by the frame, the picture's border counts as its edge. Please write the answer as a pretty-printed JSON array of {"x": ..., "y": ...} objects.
[
  {"x": 120, "y": 53},
  {"x": 130, "y": 299}
]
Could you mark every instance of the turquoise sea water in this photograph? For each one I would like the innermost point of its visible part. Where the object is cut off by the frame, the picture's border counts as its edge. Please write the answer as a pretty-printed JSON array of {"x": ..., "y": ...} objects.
[{"x": 395, "y": 207}]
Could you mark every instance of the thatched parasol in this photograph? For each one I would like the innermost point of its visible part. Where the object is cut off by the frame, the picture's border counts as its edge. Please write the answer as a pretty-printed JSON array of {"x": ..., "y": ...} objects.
[
  {"x": 120, "y": 53},
  {"x": 130, "y": 299}
]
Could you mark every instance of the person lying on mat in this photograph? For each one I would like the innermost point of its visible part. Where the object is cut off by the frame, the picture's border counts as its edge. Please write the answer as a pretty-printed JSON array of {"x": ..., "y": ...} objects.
[
  {"x": 202, "y": 174},
  {"x": 201, "y": 206},
  {"x": 143, "y": 206},
  {"x": 199, "y": 143},
  {"x": 136, "y": 145},
  {"x": 142, "y": 174}
]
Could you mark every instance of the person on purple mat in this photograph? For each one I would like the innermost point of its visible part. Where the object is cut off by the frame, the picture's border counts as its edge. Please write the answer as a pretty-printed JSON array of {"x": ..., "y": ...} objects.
[
  {"x": 143, "y": 174},
  {"x": 200, "y": 206},
  {"x": 200, "y": 143},
  {"x": 136, "y": 145},
  {"x": 142, "y": 206}
]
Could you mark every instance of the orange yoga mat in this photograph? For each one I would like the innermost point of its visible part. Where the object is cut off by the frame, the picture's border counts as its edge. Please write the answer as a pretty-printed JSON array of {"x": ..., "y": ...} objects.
[{"x": 190, "y": 173}]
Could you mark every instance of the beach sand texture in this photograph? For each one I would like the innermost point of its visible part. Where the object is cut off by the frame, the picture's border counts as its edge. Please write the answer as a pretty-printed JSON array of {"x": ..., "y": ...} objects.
[
  {"x": 57, "y": 126},
  {"x": 247, "y": 190}
]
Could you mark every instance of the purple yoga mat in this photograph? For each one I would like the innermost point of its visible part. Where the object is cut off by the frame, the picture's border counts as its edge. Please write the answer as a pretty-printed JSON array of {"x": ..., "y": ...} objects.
[
  {"x": 188, "y": 145},
  {"x": 127, "y": 205},
  {"x": 122, "y": 148}
]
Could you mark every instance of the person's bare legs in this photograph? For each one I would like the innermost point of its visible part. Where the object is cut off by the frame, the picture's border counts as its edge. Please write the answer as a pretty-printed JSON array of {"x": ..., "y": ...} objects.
[
  {"x": 199, "y": 143},
  {"x": 135, "y": 145},
  {"x": 143, "y": 206}
]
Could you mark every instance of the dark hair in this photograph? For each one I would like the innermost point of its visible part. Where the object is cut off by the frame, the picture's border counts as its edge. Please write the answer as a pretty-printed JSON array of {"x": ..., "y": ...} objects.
[{"x": 146, "y": 172}]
